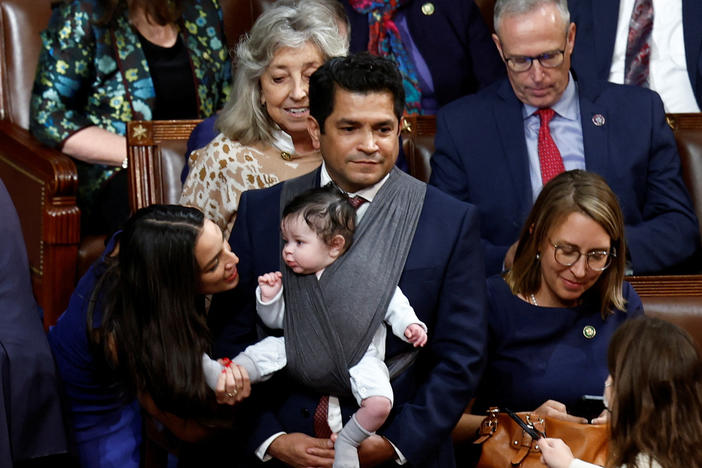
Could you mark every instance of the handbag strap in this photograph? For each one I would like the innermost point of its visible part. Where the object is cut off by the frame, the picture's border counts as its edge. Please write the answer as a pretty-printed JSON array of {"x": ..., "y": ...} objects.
[{"x": 488, "y": 425}]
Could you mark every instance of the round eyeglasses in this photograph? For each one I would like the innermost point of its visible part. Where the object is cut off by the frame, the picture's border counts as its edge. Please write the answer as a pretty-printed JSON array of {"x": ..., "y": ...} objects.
[
  {"x": 597, "y": 260},
  {"x": 522, "y": 63}
]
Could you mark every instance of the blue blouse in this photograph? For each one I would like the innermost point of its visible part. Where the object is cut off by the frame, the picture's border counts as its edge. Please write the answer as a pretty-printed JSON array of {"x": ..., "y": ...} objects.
[{"x": 541, "y": 353}]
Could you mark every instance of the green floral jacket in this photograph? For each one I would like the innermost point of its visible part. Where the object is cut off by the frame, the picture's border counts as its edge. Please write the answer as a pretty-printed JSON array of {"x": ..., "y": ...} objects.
[{"x": 98, "y": 75}]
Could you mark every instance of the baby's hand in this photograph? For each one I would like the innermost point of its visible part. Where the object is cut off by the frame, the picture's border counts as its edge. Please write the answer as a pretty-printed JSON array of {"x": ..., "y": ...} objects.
[
  {"x": 270, "y": 285},
  {"x": 416, "y": 335}
]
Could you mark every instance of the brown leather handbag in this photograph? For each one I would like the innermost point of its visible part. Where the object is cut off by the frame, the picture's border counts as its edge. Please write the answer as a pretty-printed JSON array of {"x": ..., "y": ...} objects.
[{"x": 511, "y": 439}]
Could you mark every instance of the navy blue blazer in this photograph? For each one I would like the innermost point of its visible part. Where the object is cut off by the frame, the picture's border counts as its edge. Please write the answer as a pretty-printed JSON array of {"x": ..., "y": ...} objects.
[
  {"x": 444, "y": 281},
  {"x": 481, "y": 157},
  {"x": 454, "y": 41},
  {"x": 596, "y": 22},
  {"x": 31, "y": 417}
]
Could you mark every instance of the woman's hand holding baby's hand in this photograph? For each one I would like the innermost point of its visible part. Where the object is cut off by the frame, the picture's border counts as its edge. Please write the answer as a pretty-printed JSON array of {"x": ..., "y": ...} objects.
[
  {"x": 416, "y": 335},
  {"x": 270, "y": 284},
  {"x": 555, "y": 453},
  {"x": 233, "y": 384}
]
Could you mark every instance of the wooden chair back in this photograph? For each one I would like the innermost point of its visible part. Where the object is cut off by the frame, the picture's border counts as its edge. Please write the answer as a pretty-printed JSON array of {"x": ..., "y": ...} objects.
[
  {"x": 156, "y": 156},
  {"x": 688, "y": 135},
  {"x": 418, "y": 133}
]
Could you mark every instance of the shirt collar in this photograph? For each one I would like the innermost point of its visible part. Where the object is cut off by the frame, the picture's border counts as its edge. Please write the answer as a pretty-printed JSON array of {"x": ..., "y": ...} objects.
[
  {"x": 566, "y": 106},
  {"x": 367, "y": 193},
  {"x": 283, "y": 142}
]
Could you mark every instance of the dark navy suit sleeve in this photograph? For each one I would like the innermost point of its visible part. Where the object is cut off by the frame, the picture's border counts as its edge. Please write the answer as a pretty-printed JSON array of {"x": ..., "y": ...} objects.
[
  {"x": 668, "y": 232},
  {"x": 449, "y": 174},
  {"x": 448, "y": 293}
]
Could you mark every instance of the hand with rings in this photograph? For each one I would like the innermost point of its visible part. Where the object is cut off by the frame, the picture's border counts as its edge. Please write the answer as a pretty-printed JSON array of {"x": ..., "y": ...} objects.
[{"x": 233, "y": 384}]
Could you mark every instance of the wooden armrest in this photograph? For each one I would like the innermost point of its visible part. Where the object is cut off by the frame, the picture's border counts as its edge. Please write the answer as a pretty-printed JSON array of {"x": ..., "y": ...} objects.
[{"x": 43, "y": 183}]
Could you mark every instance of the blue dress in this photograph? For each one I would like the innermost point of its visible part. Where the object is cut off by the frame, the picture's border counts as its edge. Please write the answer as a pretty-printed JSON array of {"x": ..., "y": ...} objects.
[
  {"x": 106, "y": 426},
  {"x": 541, "y": 353}
]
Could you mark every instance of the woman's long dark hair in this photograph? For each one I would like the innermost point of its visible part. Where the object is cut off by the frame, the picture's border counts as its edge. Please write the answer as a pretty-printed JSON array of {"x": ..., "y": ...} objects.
[
  {"x": 657, "y": 395},
  {"x": 154, "y": 329}
]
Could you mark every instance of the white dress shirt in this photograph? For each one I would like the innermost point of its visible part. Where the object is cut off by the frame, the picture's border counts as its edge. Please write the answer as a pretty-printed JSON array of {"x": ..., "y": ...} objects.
[{"x": 667, "y": 67}]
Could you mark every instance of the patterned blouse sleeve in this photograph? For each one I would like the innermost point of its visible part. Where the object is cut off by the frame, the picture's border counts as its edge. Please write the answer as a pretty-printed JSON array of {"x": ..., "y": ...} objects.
[
  {"x": 63, "y": 75},
  {"x": 204, "y": 188}
]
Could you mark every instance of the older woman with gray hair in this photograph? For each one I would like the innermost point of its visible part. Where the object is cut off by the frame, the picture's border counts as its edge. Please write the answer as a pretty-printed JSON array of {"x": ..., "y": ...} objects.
[{"x": 263, "y": 127}]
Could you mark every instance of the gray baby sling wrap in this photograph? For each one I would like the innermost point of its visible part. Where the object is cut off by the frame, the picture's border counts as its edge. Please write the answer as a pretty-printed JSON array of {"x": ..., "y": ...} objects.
[{"x": 330, "y": 322}]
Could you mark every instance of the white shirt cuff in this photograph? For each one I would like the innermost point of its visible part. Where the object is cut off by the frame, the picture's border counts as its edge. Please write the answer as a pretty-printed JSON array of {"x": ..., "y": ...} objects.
[
  {"x": 274, "y": 299},
  {"x": 262, "y": 450},
  {"x": 400, "y": 460}
]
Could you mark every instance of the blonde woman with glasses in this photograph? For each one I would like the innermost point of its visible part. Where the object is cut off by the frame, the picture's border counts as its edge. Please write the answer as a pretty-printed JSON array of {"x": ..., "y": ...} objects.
[{"x": 551, "y": 316}]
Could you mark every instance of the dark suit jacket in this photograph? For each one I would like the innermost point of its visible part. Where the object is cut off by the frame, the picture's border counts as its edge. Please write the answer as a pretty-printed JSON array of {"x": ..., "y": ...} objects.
[
  {"x": 31, "y": 417},
  {"x": 481, "y": 158},
  {"x": 596, "y": 22},
  {"x": 454, "y": 41},
  {"x": 444, "y": 281}
]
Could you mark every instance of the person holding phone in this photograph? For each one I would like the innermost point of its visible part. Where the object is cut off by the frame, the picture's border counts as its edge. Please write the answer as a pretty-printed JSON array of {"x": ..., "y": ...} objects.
[
  {"x": 654, "y": 393},
  {"x": 551, "y": 316}
]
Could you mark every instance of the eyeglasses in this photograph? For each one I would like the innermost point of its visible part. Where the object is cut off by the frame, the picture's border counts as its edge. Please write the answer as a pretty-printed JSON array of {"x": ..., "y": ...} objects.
[
  {"x": 522, "y": 63},
  {"x": 597, "y": 260}
]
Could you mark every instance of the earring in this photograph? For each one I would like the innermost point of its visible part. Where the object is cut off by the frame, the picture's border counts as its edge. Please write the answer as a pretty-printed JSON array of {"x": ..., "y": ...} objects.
[{"x": 538, "y": 256}]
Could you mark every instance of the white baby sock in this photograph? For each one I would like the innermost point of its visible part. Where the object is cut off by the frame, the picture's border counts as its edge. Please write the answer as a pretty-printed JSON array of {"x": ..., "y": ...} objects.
[{"x": 346, "y": 446}]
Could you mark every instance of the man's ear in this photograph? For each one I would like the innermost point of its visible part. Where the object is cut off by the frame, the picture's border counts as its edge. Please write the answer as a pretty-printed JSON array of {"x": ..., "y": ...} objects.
[
  {"x": 314, "y": 131},
  {"x": 496, "y": 40},
  {"x": 336, "y": 246},
  {"x": 570, "y": 43}
]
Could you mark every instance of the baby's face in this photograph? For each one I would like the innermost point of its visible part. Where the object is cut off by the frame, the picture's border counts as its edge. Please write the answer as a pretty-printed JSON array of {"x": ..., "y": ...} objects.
[{"x": 303, "y": 250}]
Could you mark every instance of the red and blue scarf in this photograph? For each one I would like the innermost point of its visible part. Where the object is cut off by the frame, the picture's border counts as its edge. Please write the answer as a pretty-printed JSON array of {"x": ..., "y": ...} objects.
[{"x": 384, "y": 40}]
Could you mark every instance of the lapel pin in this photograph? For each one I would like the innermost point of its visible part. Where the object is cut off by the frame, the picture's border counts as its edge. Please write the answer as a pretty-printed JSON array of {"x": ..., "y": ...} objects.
[
  {"x": 428, "y": 9},
  {"x": 589, "y": 332},
  {"x": 598, "y": 120}
]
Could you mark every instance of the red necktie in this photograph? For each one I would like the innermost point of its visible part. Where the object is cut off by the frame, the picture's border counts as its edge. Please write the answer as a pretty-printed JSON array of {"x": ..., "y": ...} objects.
[
  {"x": 549, "y": 156},
  {"x": 356, "y": 201},
  {"x": 638, "y": 44},
  {"x": 321, "y": 426}
]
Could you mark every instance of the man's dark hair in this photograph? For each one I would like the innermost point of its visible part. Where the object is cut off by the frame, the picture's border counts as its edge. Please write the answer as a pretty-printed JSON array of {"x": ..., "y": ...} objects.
[
  {"x": 327, "y": 211},
  {"x": 359, "y": 73}
]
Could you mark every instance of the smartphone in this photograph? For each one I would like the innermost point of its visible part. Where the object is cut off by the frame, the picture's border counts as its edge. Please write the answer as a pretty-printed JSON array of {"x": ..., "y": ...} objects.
[{"x": 588, "y": 407}]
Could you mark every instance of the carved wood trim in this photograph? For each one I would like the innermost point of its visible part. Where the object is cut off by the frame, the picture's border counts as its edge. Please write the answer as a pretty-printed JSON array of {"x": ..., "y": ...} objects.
[
  {"x": 667, "y": 286},
  {"x": 144, "y": 165}
]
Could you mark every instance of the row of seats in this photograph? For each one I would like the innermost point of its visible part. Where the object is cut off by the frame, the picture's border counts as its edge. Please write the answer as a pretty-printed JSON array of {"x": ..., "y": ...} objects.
[
  {"x": 43, "y": 182},
  {"x": 155, "y": 151}
]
